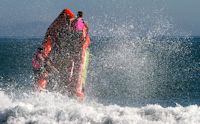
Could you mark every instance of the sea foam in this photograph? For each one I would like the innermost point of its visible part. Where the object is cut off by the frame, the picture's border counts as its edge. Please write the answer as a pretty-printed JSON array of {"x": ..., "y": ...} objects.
[{"x": 46, "y": 108}]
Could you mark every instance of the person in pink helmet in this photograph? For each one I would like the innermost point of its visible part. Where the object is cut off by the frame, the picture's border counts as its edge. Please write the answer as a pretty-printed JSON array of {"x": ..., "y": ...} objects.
[{"x": 79, "y": 24}]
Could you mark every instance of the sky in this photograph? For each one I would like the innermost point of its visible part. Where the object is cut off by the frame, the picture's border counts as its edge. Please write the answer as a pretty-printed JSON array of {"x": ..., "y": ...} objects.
[{"x": 32, "y": 17}]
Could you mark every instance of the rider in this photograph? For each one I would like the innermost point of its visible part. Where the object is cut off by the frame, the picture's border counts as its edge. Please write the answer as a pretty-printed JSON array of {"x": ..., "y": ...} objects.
[
  {"x": 39, "y": 64},
  {"x": 79, "y": 24}
]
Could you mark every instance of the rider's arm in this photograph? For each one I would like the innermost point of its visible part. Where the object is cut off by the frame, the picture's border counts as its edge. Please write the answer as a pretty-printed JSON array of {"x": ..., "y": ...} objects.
[
  {"x": 86, "y": 25},
  {"x": 49, "y": 63}
]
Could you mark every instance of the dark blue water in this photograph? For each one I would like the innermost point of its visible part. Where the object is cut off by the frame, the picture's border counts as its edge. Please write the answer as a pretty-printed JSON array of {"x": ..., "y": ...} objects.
[{"x": 127, "y": 72}]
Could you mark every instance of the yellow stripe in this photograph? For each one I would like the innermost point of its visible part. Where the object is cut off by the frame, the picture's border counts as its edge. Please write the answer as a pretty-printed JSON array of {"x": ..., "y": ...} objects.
[{"x": 85, "y": 66}]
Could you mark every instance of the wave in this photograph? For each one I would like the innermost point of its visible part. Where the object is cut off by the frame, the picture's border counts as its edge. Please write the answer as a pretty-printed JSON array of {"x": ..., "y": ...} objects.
[
  {"x": 55, "y": 108},
  {"x": 134, "y": 63}
]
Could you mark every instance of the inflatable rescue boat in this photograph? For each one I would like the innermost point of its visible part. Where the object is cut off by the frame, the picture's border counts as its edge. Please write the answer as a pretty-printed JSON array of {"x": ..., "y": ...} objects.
[{"x": 68, "y": 51}]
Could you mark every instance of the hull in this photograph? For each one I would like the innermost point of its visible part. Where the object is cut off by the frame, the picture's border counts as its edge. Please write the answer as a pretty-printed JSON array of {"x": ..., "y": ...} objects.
[{"x": 69, "y": 53}]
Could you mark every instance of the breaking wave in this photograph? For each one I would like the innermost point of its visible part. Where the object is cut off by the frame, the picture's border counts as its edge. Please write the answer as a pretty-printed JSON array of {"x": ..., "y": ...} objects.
[{"x": 43, "y": 108}]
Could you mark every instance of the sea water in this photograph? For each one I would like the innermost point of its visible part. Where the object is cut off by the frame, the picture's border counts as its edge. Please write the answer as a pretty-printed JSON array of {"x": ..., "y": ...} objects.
[
  {"x": 142, "y": 70},
  {"x": 130, "y": 81}
]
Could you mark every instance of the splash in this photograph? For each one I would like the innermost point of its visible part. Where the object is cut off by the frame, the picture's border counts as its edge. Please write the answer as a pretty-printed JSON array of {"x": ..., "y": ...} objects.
[{"x": 135, "y": 58}]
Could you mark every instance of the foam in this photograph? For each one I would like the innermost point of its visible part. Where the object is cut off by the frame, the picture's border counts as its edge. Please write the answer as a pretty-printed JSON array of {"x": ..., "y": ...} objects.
[{"x": 55, "y": 108}]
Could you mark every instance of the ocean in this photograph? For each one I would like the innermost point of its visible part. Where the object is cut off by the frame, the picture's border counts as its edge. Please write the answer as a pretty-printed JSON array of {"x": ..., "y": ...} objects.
[{"x": 130, "y": 81}]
